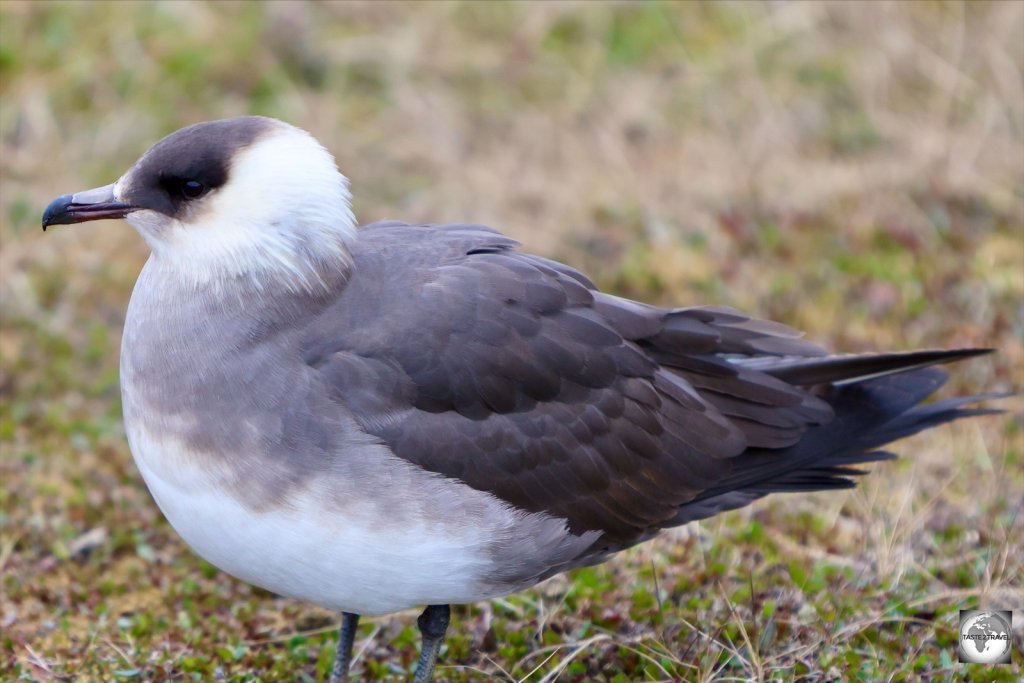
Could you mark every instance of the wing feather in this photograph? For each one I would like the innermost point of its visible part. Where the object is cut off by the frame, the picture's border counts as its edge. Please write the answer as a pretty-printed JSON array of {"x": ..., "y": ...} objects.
[{"x": 515, "y": 375}]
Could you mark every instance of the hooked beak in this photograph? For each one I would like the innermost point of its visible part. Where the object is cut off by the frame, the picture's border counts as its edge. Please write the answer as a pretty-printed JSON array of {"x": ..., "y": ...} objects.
[{"x": 90, "y": 205}]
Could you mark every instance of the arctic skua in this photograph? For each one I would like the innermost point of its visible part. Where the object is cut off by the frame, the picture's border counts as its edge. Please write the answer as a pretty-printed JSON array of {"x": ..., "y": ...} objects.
[{"x": 379, "y": 418}]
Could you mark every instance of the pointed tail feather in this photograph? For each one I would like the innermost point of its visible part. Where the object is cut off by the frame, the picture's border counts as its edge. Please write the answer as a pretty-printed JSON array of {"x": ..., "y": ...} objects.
[
  {"x": 869, "y": 414},
  {"x": 933, "y": 414},
  {"x": 847, "y": 369}
]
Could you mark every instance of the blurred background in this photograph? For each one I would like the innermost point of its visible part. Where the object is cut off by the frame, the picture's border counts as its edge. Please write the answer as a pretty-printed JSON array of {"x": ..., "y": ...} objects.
[{"x": 852, "y": 169}]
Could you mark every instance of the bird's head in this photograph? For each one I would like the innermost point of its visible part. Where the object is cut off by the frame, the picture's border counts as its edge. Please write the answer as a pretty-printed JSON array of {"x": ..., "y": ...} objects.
[{"x": 244, "y": 197}]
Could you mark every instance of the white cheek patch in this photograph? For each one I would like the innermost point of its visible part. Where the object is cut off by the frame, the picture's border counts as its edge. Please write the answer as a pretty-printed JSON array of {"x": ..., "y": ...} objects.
[
  {"x": 284, "y": 202},
  {"x": 152, "y": 226},
  {"x": 286, "y": 178}
]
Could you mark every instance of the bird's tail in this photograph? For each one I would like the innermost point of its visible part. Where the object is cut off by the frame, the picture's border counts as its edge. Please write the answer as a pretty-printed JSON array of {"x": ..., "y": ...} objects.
[{"x": 876, "y": 399}]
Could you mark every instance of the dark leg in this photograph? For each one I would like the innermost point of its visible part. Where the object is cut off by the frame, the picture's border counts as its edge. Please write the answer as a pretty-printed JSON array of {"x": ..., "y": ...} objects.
[
  {"x": 433, "y": 623},
  {"x": 343, "y": 658}
]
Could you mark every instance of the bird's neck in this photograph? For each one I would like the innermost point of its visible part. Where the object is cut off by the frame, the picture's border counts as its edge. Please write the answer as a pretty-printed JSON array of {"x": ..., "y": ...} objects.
[
  {"x": 177, "y": 334},
  {"x": 193, "y": 355},
  {"x": 172, "y": 307},
  {"x": 310, "y": 257}
]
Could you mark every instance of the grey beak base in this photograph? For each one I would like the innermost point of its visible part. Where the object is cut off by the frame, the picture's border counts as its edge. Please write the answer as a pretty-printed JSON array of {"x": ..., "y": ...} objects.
[{"x": 90, "y": 205}]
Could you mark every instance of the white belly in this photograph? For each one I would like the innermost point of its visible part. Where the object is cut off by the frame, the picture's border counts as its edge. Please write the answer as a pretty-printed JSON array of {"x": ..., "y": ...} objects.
[{"x": 350, "y": 558}]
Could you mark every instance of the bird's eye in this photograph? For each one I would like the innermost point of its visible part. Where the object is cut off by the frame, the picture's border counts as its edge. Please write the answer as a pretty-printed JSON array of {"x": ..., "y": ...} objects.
[{"x": 192, "y": 189}]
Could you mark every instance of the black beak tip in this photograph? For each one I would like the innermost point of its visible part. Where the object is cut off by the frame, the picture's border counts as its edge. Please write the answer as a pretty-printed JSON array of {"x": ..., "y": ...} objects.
[{"x": 56, "y": 211}]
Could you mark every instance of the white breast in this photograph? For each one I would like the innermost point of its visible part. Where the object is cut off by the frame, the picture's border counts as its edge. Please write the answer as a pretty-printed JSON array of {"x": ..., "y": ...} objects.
[{"x": 370, "y": 557}]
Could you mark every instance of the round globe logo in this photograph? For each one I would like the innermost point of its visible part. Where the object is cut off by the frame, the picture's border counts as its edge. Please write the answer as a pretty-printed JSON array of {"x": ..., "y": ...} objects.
[{"x": 985, "y": 636}]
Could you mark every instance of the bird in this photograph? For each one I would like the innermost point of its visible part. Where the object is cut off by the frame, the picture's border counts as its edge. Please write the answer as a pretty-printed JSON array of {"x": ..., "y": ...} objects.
[{"x": 394, "y": 416}]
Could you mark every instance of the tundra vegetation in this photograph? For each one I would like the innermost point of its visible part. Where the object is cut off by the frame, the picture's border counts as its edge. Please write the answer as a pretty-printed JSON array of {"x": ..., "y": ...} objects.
[{"x": 853, "y": 170}]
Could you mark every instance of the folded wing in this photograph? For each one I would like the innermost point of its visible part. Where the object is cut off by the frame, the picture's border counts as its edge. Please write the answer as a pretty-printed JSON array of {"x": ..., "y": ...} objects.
[{"x": 513, "y": 374}]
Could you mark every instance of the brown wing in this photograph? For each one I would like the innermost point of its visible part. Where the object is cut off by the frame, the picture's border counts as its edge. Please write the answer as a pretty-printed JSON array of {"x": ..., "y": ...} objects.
[{"x": 513, "y": 374}]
